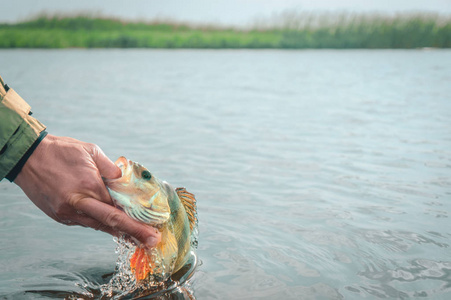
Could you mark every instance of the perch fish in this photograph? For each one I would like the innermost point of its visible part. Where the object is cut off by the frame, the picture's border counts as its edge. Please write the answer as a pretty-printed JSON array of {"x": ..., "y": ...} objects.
[{"x": 145, "y": 198}]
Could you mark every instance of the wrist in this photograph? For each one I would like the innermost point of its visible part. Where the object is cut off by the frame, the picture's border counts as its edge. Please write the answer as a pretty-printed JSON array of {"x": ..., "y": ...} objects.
[{"x": 11, "y": 176}]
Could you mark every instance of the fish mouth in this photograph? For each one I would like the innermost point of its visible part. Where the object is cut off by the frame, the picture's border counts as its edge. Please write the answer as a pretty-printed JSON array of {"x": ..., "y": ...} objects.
[
  {"x": 126, "y": 168},
  {"x": 125, "y": 165}
]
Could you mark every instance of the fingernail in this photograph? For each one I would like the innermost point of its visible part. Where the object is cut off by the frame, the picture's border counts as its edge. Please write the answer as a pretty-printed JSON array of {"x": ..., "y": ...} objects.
[{"x": 151, "y": 242}]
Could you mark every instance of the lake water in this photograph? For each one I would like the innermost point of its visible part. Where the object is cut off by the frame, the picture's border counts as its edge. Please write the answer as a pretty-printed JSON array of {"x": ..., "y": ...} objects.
[{"x": 319, "y": 174}]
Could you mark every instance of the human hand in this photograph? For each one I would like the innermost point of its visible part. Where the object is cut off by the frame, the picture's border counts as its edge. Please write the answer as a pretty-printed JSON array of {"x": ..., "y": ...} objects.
[{"x": 63, "y": 177}]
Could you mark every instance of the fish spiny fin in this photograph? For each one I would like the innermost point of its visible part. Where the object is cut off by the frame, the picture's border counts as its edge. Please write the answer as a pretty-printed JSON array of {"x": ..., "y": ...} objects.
[
  {"x": 189, "y": 202},
  {"x": 141, "y": 264}
]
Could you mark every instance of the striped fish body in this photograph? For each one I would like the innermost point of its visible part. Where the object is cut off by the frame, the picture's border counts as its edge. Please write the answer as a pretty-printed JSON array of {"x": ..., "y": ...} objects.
[{"x": 178, "y": 225}]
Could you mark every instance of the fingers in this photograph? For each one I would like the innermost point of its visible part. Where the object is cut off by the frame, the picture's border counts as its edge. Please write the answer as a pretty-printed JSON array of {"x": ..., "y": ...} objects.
[
  {"x": 106, "y": 167},
  {"x": 86, "y": 221},
  {"x": 118, "y": 221}
]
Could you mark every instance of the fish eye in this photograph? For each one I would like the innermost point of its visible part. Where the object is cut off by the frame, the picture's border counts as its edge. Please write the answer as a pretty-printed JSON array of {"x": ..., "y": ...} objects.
[{"x": 146, "y": 175}]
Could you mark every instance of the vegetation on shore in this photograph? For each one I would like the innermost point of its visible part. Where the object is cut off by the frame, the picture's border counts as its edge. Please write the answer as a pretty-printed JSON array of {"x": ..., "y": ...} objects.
[{"x": 288, "y": 31}]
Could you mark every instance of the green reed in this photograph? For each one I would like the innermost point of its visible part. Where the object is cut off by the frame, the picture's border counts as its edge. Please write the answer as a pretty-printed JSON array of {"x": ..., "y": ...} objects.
[{"x": 285, "y": 31}]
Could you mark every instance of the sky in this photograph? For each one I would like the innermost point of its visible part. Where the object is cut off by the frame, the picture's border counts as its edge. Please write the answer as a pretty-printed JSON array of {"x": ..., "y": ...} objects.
[{"x": 225, "y": 12}]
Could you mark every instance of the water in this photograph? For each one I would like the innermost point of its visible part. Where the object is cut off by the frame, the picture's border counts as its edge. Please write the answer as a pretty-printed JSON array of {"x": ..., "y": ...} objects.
[
  {"x": 319, "y": 174},
  {"x": 124, "y": 285}
]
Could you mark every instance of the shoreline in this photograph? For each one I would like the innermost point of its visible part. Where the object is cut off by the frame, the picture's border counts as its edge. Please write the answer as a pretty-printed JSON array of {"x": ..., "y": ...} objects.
[{"x": 359, "y": 32}]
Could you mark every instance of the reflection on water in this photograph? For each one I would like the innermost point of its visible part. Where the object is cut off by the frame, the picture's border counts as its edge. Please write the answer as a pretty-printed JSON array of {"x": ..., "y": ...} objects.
[{"x": 319, "y": 174}]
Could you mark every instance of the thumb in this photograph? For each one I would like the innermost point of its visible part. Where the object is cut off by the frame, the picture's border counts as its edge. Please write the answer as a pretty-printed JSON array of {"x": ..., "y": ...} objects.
[{"x": 106, "y": 167}]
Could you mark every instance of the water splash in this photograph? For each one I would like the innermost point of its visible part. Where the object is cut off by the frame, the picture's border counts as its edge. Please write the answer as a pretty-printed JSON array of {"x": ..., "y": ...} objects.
[
  {"x": 123, "y": 280},
  {"x": 123, "y": 284}
]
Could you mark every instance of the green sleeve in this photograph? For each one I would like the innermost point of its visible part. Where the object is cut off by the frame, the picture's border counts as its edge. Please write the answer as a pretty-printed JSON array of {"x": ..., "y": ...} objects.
[{"x": 18, "y": 130}]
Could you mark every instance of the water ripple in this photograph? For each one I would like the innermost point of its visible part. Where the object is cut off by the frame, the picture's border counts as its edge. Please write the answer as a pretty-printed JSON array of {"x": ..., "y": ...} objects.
[{"x": 319, "y": 174}]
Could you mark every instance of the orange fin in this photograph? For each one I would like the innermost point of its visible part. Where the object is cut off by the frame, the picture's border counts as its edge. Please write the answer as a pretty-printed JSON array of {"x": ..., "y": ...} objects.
[
  {"x": 189, "y": 202},
  {"x": 141, "y": 264}
]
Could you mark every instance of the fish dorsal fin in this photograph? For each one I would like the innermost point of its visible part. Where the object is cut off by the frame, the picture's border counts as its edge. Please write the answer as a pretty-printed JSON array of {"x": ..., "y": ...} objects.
[{"x": 189, "y": 202}]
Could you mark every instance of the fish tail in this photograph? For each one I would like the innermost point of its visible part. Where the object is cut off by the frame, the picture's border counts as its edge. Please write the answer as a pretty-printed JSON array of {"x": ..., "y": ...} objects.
[{"x": 141, "y": 264}]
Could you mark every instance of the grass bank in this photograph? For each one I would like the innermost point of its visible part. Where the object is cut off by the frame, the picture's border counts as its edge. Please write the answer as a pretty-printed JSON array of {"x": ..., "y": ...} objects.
[{"x": 289, "y": 31}]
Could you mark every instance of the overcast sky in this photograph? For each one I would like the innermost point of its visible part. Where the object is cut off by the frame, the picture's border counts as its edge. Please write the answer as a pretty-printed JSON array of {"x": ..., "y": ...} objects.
[{"x": 228, "y": 12}]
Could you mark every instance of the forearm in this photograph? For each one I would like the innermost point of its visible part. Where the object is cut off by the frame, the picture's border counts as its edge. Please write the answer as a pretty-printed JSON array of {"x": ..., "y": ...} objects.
[
  {"x": 63, "y": 177},
  {"x": 19, "y": 131}
]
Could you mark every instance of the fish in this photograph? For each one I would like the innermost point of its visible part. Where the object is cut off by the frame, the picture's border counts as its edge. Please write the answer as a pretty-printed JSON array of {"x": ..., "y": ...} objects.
[{"x": 147, "y": 199}]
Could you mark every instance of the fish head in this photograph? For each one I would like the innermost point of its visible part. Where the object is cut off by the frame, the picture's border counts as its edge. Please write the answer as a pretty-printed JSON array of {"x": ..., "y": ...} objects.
[{"x": 139, "y": 193}]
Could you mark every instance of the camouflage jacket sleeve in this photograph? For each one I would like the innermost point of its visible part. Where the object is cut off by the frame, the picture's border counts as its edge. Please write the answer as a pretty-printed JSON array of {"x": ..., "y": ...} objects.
[{"x": 18, "y": 130}]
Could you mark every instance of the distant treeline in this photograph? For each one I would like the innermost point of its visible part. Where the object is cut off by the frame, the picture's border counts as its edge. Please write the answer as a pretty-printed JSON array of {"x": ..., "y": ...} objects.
[{"x": 287, "y": 31}]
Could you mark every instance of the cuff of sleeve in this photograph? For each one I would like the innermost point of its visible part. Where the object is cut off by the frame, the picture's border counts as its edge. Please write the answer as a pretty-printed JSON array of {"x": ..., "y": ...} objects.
[
  {"x": 18, "y": 167},
  {"x": 18, "y": 130}
]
